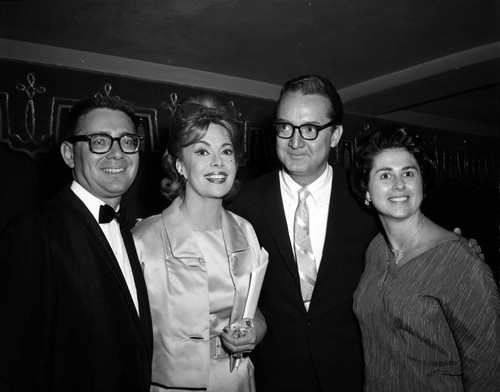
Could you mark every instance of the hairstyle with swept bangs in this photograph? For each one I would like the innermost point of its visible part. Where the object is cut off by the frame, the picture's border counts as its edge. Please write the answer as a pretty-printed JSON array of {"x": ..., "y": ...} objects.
[{"x": 189, "y": 124}]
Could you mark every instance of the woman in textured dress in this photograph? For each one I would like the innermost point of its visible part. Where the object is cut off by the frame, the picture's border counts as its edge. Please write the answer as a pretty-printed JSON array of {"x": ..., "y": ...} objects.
[
  {"x": 198, "y": 257},
  {"x": 428, "y": 307}
]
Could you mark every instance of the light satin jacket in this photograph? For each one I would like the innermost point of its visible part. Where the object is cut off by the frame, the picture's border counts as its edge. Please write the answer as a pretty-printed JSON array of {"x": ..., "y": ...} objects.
[{"x": 177, "y": 281}]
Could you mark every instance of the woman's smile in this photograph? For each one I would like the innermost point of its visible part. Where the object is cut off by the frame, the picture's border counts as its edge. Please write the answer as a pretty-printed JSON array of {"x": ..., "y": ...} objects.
[{"x": 217, "y": 177}]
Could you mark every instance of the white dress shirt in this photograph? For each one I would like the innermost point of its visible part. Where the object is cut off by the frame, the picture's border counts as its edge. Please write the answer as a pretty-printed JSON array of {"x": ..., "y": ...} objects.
[
  {"x": 318, "y": 204},
  {"x": 112, "y": 232}
]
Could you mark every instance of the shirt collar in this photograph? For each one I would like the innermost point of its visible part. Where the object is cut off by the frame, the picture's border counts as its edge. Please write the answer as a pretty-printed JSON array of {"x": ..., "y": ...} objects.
[
  {"x": 319, "y": 189},
  {"x": 92, "y": 202}
]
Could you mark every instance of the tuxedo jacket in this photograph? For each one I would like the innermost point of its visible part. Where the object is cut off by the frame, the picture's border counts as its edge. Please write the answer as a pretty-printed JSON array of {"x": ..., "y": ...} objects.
[
  {"x": 68, "y": 320},
  {"x": 319, "y": 349}
]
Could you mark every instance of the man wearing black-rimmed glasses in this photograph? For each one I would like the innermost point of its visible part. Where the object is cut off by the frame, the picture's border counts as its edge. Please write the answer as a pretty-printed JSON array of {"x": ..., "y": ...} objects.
[
  {"x": 72, "y": 295},
  {"x": 316, "y": 236}
]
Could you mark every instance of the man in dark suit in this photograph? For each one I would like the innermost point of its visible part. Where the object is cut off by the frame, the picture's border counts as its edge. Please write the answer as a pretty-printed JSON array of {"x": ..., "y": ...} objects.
[
  {"x": 75, "y": 312},
  {"x": 313, "y": 342}
]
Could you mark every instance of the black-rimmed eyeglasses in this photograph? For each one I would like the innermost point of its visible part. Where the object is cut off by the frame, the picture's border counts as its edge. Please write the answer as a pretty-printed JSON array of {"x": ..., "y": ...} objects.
[
  {"x": 307, "y": 131},
  {"x": 101, "y": 143}
]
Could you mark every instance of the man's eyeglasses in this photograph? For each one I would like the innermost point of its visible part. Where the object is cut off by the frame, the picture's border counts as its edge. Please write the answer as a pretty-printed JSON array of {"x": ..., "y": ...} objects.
[
  {"x": 101, "y": 143},
  {"x": 307, "y": 131}
]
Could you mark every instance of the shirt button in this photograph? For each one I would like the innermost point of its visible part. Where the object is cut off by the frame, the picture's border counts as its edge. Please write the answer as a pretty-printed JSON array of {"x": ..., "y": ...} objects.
[
  {"x": 202, "y": 262},
  {"x": 309, "y": 323}
]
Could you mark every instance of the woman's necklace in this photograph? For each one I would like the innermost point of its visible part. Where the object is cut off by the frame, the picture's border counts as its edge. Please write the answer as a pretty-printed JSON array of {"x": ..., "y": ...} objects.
[{"x": 399, "y": 253}]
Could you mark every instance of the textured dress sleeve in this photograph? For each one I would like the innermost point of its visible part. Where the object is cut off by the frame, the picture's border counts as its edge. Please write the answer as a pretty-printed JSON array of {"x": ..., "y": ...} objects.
[{"x": 472, "y": 308}]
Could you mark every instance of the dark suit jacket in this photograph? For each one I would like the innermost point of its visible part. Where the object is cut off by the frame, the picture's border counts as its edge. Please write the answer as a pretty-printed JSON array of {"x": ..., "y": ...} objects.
[
  {"x": 319, "y": 349},
  {"x": 68, "y": 319}
]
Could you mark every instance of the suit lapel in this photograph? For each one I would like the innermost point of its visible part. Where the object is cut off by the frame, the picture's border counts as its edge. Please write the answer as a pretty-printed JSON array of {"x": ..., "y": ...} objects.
[
  {"x": 274, "y": 214},
  {"x": 144, "y": 321},
  {"x": 334, "y": 228},
  {"x": 98, "y": 239},
  {"x": 94, "y": 231}
]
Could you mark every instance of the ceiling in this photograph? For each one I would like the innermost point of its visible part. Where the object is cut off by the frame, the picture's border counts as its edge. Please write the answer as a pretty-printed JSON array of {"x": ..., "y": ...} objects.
[{"x": 430, "y": 63}]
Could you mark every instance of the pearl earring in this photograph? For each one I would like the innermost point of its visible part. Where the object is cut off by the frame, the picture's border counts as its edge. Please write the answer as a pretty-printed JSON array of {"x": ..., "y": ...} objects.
[{"x": 367, "y": 199}]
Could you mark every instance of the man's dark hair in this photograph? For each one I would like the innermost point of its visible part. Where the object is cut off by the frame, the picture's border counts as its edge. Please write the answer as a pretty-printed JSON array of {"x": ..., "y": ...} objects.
[
  {"x": 316, "y": 85},
  {"x": 83, "y": 107}
]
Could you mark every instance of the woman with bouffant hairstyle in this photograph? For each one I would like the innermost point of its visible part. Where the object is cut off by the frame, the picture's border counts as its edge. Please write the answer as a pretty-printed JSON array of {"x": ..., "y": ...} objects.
[
  {"x": 198, "y": 258},
  {"x": 188, "y": 125}
]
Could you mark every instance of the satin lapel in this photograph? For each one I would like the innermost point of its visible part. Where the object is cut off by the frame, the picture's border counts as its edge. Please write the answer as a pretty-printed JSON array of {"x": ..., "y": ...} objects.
[
  {"x": 185, "y": 248},
  {"x": 180, "y": 234},
  {"x": 144, "y": 321},
  {"x": 241, "y": 265},
  {"x": 271, "y": 205},
  {"x": 99, "y": 241}
]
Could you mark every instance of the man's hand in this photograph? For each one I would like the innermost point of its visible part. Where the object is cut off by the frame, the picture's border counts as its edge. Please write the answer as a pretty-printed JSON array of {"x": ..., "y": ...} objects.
[{"x": 471, "y": 242}]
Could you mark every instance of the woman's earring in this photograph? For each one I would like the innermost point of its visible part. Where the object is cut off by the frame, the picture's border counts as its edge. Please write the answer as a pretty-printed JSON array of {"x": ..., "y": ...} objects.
[
  {"x": 179, "y": 170},
  {"x": 367, "y": 199}
]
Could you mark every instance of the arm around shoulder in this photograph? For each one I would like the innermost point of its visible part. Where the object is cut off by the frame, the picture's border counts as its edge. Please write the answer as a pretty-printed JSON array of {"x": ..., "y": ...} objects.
[{"x": 473, "y": 313}]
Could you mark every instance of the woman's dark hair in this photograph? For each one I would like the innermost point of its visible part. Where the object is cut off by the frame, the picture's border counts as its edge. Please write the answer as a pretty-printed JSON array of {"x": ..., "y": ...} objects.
[
  {"x": 374, "y": 142},
  {"x": 189, "y": 124}
]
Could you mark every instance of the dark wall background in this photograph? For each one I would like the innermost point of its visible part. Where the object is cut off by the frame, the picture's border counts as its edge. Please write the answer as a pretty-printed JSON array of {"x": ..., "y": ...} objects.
[{"x": 35, "y": 98}]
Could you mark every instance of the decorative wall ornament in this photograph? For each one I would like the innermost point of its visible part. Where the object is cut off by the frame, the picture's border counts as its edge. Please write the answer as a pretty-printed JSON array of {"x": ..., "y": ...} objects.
[
  {"x": 25, "y": 136},
  {"x": 346, "y": 154},
  {"x": 255, "y": 148},
  {"x": 32, "y": 121},
  {"x": 468, "y": 161},
  {"x": 247, "y": 147},
  {"x": 29, "y": 112},
  {"x": 59, "y": 112},
  {"x": 4, "y": 115},
  {"x": 237, "y": 113},
  {"x": 147, "y": 126},
  {"x": 170, "y": 106},
  {"x": 107, "y": 92},
  {"x": 174, "y": 104}
]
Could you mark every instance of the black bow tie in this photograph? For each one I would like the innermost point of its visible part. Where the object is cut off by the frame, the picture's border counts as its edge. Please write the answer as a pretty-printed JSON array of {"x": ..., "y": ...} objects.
[{"x": 108, "y": 213}]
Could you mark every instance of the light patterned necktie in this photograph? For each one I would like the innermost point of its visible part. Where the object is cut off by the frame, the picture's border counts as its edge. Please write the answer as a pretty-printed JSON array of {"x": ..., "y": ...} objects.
[{"x": 303, "y": 250}]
